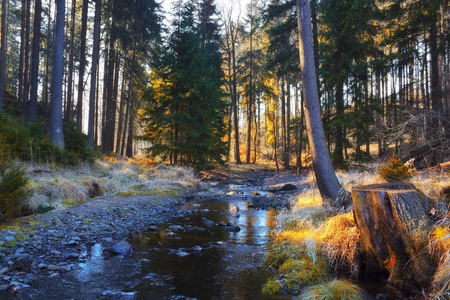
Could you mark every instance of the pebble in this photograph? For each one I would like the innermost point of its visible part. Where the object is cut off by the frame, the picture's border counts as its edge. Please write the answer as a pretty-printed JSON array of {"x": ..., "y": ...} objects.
[
  {"x": 121, "y": 248},
  {"x": 55, "y": 268}
]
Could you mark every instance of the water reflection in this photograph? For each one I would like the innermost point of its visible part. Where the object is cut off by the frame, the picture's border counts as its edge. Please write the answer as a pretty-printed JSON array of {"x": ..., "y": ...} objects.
[
  {"x": 206, "y": 261},
  {"x": 94, "y": 266}
]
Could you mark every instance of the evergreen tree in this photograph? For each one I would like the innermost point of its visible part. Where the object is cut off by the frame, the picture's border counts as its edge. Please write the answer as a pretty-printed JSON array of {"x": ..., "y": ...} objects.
[{"x": 185, "y": 111}]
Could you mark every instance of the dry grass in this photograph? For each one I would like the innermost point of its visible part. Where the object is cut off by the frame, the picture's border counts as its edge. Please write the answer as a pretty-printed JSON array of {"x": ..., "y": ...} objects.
[
  {"x": 340, "y": 241},
  {"x": 333, "y": 290},
  {"x": 333, "y": 233},
  {"x": 59, "y": 188},
  {"x": 441, "y": 279}
]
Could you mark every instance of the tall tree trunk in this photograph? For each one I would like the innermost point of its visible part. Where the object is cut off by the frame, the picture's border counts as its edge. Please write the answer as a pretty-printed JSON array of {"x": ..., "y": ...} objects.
[
  {"x": 109, "y": 130},
  {"x": 131, "y": 111},
  {"x": 22, "y": 54},
  {"x": 326, "y": 178},
  {"x": 3, "y": 53},
  {"x": 116, "y": 92},
  {"x": 69, "y": 98},
  {"x": 339, "y": 138},
  {"x": 26, "y": 58},
  {"x": 283, "y": 124},
  {"x": 35, "y": 60},
  {"x": 84, "y": 16},
  {"x": 237, "y": 152},
  {"x": 120, "y": 126},
  {"x": 436, "y": 88},
  {"x": 56, "y": 126},
  {"x": 47, "y": 57},
  {"x": 94, "y": 66},
  {"x": 288, "y": 125},
  {"x": 250, "y": 100}
]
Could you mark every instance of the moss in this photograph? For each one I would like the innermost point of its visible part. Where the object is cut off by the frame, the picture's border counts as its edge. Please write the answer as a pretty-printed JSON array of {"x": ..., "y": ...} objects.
[
  {"x": 272, "y": 287},
  {"x": 304, "y": 271}
]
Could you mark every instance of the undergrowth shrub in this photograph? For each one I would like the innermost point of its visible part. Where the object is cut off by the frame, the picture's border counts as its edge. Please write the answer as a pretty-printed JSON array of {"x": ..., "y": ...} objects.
[
  {"x": 30, "y": 142},
  {"x": 13, "y": 190},
  {"x": 394, "y": 170}
]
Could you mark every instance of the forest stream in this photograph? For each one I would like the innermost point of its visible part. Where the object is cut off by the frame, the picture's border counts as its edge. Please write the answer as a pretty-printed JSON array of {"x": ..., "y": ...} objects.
[{"x": 213, "y": 248}]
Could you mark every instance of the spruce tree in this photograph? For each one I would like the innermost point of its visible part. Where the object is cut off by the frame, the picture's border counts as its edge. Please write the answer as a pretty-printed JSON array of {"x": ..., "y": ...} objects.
[{"x": 184, "y": 113}]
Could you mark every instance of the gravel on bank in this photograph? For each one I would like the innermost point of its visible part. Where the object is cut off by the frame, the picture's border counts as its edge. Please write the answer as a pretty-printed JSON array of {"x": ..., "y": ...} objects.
[{"x": 57, "y": 241}]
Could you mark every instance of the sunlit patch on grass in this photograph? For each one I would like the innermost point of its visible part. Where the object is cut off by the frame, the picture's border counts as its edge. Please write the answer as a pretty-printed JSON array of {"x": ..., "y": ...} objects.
[
  {"x": 59, "y": 188},
  {"x": 439, "y": 240},
  {"x": 333, "y": 290}
]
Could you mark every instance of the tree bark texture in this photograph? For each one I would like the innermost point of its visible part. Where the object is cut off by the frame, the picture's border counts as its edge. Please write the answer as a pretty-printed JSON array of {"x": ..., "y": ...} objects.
[
  {"x": 94, "y": 64},
  {"x": 326, "y": 178},
  {"x": 3, "y": 53},
  {"x": 35, "y": 60},
  {"x": 84, "y": 17},
  {"x": 394, "y": 225},
  {"x": 56, "y": 124}
]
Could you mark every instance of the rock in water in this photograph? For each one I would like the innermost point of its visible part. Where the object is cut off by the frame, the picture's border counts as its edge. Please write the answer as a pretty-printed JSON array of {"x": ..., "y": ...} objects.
[
  {"x": 121, "y": 248},
  {"x": 176, "y": 228},
  {"x": 288, "y": 187},
  {"x": 234, "y": 209}
]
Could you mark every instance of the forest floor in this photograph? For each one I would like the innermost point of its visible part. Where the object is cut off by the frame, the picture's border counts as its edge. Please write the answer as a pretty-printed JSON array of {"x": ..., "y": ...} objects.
[{"x": 50, "y": 244}]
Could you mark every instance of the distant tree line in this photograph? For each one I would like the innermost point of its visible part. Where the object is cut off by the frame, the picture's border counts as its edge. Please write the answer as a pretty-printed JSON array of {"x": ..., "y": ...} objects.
[{"x": 210, "y": 87}]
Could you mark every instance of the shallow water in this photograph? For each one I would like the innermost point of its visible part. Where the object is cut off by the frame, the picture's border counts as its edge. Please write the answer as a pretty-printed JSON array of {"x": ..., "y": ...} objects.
[{"x": 206, "y": 262}]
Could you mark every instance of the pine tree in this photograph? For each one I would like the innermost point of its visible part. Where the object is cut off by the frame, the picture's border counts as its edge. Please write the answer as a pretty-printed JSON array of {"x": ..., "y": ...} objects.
[{"x": 185, "y": 111}]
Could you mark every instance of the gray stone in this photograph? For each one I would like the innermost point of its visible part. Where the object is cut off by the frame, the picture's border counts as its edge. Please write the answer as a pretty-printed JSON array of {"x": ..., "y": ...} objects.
[
  {"x": 72, "y": 255},
  {"x": 53, "y": 275},
  {"x": 232, "y": 228},
  {"x": 108, "y": 240},
  {"x": 182, "y": 253},
  {"x": 4, "y": 270},
  {"x": 9, "y": 239},
  {"x": 72, "y": 243},
  {"x": 121, "y": 248},
  {"x": 176, "y": 228},
  {"x": 20, "y": 262},
  {"x": 55, "y": 268},
  {"x": 288, "y": 187},
  {"x": 18, "y": 286},
  {"x": 119, "y": 295},
  {"x": 3, "y": 287},
  {"x": 20, "y": 250}
]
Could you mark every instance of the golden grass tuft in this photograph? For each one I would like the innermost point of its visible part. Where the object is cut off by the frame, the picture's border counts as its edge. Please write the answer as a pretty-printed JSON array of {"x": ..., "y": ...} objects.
[
  {"x": 338, "y": 238},
  {"x": 441, "y": 279},
  {"x": 333, "y": 290},
  {"x": 340, "y": 241},
  {"x": 439, "y": 241}
]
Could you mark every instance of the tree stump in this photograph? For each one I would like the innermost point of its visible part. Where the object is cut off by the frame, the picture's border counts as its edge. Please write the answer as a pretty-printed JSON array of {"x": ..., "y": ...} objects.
[{"x": 394, "y": 225}]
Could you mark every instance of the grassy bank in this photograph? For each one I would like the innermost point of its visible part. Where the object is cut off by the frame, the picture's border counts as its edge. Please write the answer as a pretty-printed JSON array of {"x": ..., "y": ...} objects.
[
  {"x": 59, "y": 187},
  {"x": 316, "y": 244}
]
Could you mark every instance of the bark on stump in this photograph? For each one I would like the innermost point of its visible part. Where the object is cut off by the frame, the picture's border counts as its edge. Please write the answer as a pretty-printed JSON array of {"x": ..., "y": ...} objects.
[{"x": 394, "y": 225}]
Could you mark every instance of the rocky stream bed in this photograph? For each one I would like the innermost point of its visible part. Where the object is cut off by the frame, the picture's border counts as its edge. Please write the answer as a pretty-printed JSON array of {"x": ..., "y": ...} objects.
[{"x": 86, "y": 252}]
